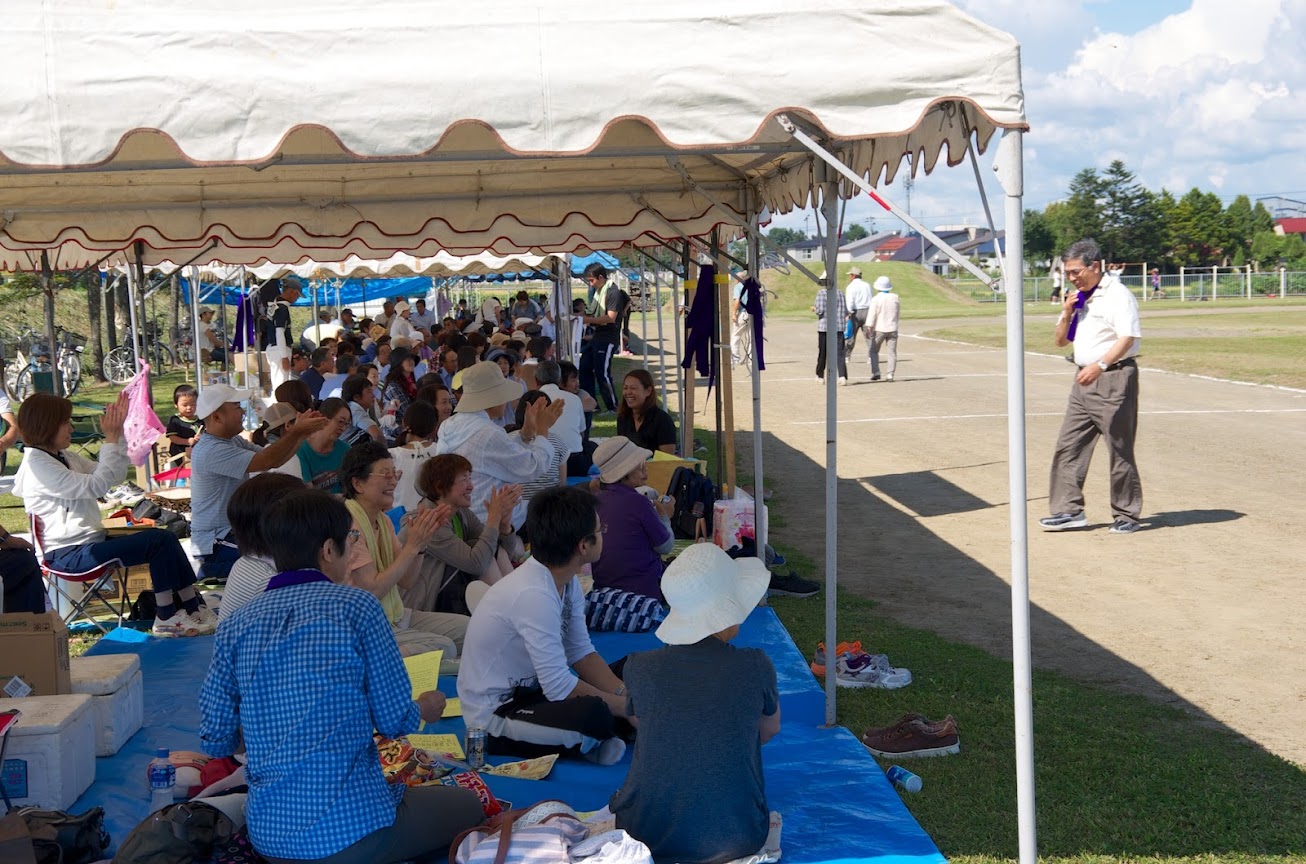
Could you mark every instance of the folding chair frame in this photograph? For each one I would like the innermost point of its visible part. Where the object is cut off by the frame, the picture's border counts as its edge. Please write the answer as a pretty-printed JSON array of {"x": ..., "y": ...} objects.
[{"x": 98, "y": 582}]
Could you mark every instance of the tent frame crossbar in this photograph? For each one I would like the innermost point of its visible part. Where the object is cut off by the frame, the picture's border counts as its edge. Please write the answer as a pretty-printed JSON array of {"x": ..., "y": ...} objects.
[{"x": 833, "y": 161}]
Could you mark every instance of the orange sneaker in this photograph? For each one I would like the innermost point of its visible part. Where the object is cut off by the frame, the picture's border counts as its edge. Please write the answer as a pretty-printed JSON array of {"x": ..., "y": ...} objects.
[{"x": 818, "y": 661}]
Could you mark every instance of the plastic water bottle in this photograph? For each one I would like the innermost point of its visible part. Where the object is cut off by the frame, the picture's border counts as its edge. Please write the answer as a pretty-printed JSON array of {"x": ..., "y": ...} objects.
[
  {"x": 163, "y": 779},
  {"x": 904, "y": 779}
]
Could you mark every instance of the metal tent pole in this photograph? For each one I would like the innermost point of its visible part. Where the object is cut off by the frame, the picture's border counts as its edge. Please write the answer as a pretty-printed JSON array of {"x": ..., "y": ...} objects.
[
  {"x": 643, "y": 318},
  {"x": 662, "y": 345},
  {"x": 194, "y": 311},
  {"x": 1010, "y": 169},
  {"x": 684, "y": 382},
  {"x": 830, "y": 211},
  {"x": 759, "y": 501}
]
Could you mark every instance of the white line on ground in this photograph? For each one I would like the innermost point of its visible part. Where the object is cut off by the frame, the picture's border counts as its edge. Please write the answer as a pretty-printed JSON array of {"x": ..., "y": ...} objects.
[
  {"x": 865, "y": 379},
  {"x": 1279, "y": 387},
  {"x": 1049, "y": 414}
]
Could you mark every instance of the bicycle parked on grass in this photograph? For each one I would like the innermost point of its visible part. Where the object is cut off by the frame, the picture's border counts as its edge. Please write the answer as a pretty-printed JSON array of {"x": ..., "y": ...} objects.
[
  {"x": 33, "y": 356},
  {"x": 120, "y": 363}
]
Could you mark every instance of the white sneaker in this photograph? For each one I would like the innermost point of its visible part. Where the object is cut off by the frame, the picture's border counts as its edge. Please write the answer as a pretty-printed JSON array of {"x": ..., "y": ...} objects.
[
  {"x": 207, "y": 619},
  {"x": 843, "y": 382},
  {"x": 180, "y": 625},
  {"x": 888, "y": 377}
]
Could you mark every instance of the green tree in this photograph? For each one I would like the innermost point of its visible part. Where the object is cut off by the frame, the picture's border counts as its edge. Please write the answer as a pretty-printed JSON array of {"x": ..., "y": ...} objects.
[
  {"x": 785, "y": 236},
  {"x": 854, "y": 232},
  {"x": 1165, "y": 207},
  {"x": 1199, "y": 230},
  {"x": 1082, "y": 216},
  {"x": 1132, "y": 230},
  {"x": 1239, "y": 226},
  {"x": 1261, "y": 219},
  {"x": 1271, "y": 251},
  {"x": 1040, "y": 238}
]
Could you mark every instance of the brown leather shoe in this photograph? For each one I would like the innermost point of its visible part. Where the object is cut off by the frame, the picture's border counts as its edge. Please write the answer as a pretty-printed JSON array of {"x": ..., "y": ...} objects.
[{"x": 911, "y": 737}]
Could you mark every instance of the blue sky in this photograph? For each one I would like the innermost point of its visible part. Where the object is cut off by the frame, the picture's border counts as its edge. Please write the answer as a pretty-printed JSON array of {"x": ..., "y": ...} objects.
[{"x": 1205, "y": 93}]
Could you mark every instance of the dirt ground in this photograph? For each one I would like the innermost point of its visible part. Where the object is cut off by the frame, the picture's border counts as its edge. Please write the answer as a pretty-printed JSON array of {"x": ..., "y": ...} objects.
[{"x": 1203, "y": 609}]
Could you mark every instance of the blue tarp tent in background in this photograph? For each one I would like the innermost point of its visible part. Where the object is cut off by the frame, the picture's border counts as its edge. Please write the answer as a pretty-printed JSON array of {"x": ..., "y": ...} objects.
[
  {"x": 578, "y": 265},
  {"x": 352, "y": 291}
]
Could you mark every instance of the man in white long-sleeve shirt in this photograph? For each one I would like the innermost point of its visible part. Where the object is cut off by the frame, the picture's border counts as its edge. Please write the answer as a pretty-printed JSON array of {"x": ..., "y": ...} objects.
[
  {"x": 530, "y": 676},
  {"x": 497, "y": 457}
]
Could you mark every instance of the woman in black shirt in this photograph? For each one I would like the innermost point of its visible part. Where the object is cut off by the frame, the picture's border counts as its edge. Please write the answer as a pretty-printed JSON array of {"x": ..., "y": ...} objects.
[{"x": 640, "y": 418}]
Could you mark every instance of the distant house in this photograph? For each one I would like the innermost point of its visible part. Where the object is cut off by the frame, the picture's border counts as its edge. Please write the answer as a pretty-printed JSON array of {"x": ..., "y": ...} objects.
[
  {"x": 972, "y": 242},
  {"x": 806, "y": 250},
  {"x": 1290, "y": 225},
  {"x": 867, "y": 248}
]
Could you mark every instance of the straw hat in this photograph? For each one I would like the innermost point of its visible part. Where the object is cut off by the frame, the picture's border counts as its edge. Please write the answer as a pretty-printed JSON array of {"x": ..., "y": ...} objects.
[
  {"x": 484, "y": 386},
  {"x": 708, "y": 592},
  {"x": 278, "y": 415},
  {"x": 217, "y": 395},
  {"x": 499, "y": 339},
  {"x": 883, "y": 284},
  {"x": 854, "y": 271},
  {"x": 618, "y": 456},
  {"x": 521, "y": 335}
]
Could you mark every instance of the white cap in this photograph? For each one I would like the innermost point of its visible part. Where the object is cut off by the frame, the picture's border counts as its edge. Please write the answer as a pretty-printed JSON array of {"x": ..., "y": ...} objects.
[{"x": 217, "y": 395}]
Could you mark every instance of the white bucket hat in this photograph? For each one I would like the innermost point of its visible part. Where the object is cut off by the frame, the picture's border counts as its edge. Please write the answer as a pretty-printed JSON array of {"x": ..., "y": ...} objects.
[
  {"x": 618, "y": 456},
  {"x": 883, "y": 284},
  {"x": 484, "y": 387},
  {"x": 217, "y": 395},
  {"x": 708, "y": 592}
]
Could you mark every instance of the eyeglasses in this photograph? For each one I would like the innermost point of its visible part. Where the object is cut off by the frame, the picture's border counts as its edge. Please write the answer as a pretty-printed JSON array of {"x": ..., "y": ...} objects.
[
  {"x": 354, "y": 535},
  {"x": 1072, "y": 273},
  {"x": 389, "y": 475},
  {"x": 603, "y": 529}
]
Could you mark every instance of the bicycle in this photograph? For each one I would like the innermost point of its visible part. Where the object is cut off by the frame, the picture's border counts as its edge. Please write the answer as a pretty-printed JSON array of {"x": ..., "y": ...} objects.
[
  {"x": 120, "y": 364},
  {"x": 19, "y": 382}
]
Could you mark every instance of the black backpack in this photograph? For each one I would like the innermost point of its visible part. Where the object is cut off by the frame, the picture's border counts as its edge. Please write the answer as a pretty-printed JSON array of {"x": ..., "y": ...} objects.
[{"x": 694, "y": 496}]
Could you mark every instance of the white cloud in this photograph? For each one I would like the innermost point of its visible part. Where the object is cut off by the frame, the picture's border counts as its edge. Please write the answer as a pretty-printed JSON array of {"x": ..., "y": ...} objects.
[{"x": 1212, "y": 96}]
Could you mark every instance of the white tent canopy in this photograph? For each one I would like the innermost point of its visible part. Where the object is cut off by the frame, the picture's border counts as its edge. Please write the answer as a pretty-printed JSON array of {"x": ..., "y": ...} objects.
[
  {"x": 399, "y": 264},
  {"x": 461, "y": 127},
  {"x": 512, "y": 127}
]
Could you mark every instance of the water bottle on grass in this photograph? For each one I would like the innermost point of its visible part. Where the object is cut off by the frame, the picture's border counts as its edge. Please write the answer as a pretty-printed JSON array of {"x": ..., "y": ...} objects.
[
  {"x": 163, "y": 779},
  {"x": 904, "y": 779}
]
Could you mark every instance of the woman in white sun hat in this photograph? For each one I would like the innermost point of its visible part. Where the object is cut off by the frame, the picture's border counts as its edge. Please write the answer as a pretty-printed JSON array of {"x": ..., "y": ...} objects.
[{"x": 701, "y": 702}]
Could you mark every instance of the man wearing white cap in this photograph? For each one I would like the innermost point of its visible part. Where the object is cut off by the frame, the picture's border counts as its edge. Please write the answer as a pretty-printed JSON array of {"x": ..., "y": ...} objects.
[
  {"x": 859, "y": 297},
  {"x": 401, "y": 327},
  {"x": 701, "y": 702},
  {"x": 326, "y": 327},
  {"x": 882, "y": 326},
  {"x": 497, "y": 457},
  {"x": 221, "y": 460}
]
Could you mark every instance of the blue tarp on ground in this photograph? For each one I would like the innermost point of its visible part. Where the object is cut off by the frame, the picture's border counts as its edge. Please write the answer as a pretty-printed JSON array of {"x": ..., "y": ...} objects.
[{"x": 836, "y": 803}]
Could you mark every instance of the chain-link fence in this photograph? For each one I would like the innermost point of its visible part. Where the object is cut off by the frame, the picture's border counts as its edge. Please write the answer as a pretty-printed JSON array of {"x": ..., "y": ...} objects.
[{"x": 1198, "y": 285}]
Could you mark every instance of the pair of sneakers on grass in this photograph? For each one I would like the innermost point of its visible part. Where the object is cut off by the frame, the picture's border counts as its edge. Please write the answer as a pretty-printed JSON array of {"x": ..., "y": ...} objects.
[{"x": 855, "y": 667}]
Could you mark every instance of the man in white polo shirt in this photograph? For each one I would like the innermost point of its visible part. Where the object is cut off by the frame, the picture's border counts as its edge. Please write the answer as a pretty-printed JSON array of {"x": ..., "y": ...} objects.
[
  {"x": 1101, "y": 320},
  {"x": 859, "y": 295}
]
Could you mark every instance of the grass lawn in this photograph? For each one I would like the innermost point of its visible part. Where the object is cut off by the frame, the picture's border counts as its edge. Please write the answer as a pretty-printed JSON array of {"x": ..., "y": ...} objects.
[
  {"x": 1261, "y": 347},
  {"x": 924, "y": 295}
]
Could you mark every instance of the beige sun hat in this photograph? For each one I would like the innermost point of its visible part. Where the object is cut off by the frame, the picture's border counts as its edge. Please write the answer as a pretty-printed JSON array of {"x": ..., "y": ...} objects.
[
  {"x": 854, "y": 271},
  {"x": 618, "y": 456},
  {"x": 499, "y": 338},
  {"x": 279, "y": 414},
  {"x": 484, "y": 387},
  {"x": 401, "y": 307},
  {"x": 708, "y": 591}
]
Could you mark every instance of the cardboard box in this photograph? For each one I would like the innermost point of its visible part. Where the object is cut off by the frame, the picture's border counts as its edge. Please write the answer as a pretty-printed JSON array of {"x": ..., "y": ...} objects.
[{"x": 33, "y": 655}]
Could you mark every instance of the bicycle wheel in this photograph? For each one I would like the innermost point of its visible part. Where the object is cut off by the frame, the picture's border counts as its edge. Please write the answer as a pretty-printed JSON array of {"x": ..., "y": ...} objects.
[
  {"x": 23, "y": 387},
  {"x": 118, "y": 365},
  {"x": 11, "y": 371},
  {"x": 163, "y": 358},
  {"x": 70, "y": 367}
]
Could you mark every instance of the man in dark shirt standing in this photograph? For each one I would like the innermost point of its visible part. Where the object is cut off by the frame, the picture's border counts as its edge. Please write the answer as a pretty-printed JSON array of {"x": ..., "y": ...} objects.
[
  {"x": 605, "y": 316},
  {"x": 277, "y": 339},
  {"x": 322, "y": 363}
]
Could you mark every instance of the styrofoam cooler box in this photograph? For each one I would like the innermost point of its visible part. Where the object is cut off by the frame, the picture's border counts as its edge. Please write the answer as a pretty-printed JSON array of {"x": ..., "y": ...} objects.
[
  {"x": 733, "y": 520},
  {"x": 117, "y": 691},
  {"x": 50, "y": 758}
]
